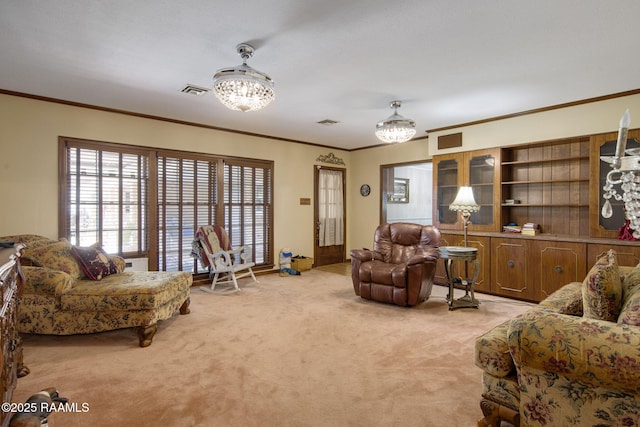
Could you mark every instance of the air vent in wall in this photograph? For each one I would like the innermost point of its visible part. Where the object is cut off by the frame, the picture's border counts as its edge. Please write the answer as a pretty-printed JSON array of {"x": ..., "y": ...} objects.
[
  {"x": 195, "y": 90},
  {"x": 450, "y": 141}
]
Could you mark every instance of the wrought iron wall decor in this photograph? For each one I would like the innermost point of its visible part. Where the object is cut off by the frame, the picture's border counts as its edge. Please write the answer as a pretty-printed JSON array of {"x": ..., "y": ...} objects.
[{"x": 330, "y": 158}]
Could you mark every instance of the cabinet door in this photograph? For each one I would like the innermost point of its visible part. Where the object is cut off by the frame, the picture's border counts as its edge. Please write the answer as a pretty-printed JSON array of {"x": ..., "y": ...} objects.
[
  {"x": 628, "y": 255},
  {"x": 483, "y": 244},
  {"x": 605, "y": 145},
  {"x": 447, "y": 171},
  {"x": 478, "y": 169},
  {"x": 555, "y": 264},
  {"x": 482, "y": 173},
  {"x": 510, "y": 274},
  {"x": 441, "y": 275}
]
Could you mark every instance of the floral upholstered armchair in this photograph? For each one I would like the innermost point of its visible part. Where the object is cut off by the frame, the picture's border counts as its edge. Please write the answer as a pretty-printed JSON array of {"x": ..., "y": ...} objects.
[{"x": 574, "y": 360}]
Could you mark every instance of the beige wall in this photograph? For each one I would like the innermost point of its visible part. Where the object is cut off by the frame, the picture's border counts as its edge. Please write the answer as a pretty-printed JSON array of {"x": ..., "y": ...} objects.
[
  {"x": 586, "y": 119},
  {"x": 363, "y": 213},
  {"x": 29, "y": 131}
]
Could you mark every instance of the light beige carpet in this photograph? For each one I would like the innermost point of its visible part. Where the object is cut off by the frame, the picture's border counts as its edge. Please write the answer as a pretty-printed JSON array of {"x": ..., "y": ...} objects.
[
  {"x": 343, "y": 268},
  {"x": 289, "y": 351}
]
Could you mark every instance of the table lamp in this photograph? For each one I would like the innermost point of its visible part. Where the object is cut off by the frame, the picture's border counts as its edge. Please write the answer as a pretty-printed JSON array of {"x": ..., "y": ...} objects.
[{"x": 465, "y": 204}]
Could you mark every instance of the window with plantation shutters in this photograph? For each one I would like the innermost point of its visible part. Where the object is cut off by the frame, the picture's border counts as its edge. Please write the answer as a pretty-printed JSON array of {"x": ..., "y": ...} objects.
[
  {"x": 105, "y": 198},
  {"x": 248, "y": 207},
  {"x": 187, "y": 199},
  {"x": 146, "y": 203}
]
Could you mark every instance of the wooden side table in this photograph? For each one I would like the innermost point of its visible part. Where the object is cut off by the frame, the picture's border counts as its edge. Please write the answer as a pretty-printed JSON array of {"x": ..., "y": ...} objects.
[{"x": 461, "y": 253}]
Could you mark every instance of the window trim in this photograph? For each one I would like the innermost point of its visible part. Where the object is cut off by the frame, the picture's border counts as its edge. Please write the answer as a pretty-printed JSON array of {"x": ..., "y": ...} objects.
[
  {"x": 64, "y": 181},
  {"x": 153, "y": 154}
]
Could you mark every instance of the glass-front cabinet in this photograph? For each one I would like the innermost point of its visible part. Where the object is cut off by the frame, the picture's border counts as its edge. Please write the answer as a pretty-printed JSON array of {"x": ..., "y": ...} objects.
[
  {"x": 448, "y": 177},
  {"x": 477, "y": 169},
  {"x": 605, "y": 145},
  {"x": 482, "y": 178}
]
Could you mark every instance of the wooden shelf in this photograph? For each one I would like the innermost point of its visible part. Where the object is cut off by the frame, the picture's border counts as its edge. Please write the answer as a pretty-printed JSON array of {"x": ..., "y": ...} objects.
[
  {"x": 545, "y": 181},
  {"x": 557, "y": 159},
  {"x": 545, "y": 205},
  {"x": 546, "y": 178},
  {"x": 487, "y": 205}
]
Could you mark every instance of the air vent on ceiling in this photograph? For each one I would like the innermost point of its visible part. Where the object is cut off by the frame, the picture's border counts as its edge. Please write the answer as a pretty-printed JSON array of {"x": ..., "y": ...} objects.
[
  {"x": 195, "y": 90},
  {"x": 327, "y": 122}
]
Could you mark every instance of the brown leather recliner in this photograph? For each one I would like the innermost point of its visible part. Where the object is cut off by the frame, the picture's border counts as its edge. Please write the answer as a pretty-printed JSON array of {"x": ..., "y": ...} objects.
[{"x": 400, "y": 268}]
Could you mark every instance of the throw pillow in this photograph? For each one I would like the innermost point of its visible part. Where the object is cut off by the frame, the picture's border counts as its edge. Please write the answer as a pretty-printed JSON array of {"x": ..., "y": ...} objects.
[
  {"x": 56, "y": 256},
  {"x": 631, "y": 281},
  {"x": 630, "y": 311},
  {"x": 94, "y": 261},
  {"x": 602, "y": 289},
  {"x": 566, "y": 300}
]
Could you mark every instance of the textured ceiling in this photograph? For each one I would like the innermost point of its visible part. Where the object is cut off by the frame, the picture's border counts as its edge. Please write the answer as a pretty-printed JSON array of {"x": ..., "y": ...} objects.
[{"x": 450, "y": 62}]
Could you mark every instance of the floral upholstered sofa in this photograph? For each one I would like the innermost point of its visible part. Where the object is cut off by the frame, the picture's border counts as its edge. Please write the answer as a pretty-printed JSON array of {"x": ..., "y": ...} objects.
[
  {"x": 72, "y": 290},
  {"x": 574, "y": 360}
]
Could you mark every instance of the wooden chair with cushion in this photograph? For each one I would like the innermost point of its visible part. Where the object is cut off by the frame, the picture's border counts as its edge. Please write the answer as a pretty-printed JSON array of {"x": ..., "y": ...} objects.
[{"x": 211, "y": 245}]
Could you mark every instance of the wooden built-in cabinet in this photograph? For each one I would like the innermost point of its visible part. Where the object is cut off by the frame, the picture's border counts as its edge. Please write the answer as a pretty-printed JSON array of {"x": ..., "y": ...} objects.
[
  {"x": 628, "y": 255},
  {"x": 533, "y": 269},
  {"x": 556, "y": 184}
]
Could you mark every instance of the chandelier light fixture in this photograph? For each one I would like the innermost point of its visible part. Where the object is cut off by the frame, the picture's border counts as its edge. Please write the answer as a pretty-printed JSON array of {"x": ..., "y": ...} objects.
[
  {"x": 243, "y": 88},
  {"x": 395, "y": 128},
  {"x": 625, "y": 172}
]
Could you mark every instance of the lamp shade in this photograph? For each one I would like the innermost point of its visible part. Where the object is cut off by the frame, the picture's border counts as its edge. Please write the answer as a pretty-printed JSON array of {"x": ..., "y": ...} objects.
[{"x": 464, "y": 201}]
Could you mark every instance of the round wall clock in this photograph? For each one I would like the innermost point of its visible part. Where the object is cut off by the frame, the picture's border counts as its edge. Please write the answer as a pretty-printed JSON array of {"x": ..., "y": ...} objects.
[{"x": 365, "y": 190}]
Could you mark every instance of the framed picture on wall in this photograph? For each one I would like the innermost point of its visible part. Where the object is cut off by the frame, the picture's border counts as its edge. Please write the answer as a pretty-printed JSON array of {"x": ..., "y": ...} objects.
[{"x": 400, "y": 191}]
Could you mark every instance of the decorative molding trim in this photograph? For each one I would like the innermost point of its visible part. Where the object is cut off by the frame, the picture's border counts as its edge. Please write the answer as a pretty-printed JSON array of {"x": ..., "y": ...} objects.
[
  {"x": 330, "y": 158},
  {"x": 416, "y": 138},
  {"x": 539, "y": 110},
  {"x": 150, "y": 117}
]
